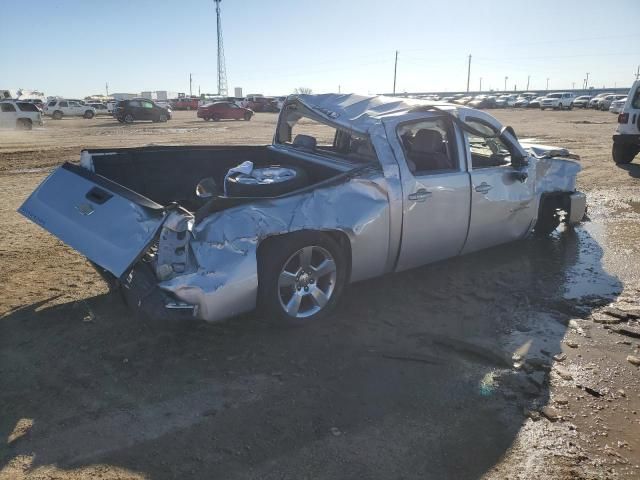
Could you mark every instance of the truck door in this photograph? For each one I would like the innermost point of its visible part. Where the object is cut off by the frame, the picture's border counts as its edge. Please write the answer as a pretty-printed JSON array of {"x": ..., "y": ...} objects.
[
  {"x": 503, "y": 201},
  {"x": 435, "y": 187}
]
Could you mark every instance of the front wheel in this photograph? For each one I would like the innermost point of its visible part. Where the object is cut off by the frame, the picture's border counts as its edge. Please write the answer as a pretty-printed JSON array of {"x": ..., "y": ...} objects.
[
  {"x": 623, "y": 154},
  {"x": 88, "y": 114},
  {"x": 301, "y": 276},
  {"x": 162, "y": 118},
  {"x": 247, "y": 116},
  {"x": 128, "y": 118},
  {"x": 57, "y": 115}
]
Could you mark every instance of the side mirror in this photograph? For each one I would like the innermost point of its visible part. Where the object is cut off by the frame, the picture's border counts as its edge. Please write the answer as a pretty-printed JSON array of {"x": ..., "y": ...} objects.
[{"x": 207, "y": 188}]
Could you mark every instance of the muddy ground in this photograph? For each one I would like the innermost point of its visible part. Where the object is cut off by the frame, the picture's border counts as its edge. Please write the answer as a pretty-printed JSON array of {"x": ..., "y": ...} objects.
[{"x": 445, "y": 371}]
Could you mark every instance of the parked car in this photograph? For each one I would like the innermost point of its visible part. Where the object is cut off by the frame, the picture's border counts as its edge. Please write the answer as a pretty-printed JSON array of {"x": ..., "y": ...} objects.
[
  {"x": 618, "y": 105},
  {"x": 61, "y": 107},
  {"x": 100, "y": 108},
  {"x": 129, "y": 111},
  {"x": 582, "y": 101},
  {"x": 483, "y": 101},
  {"x": 463, "y": 100},
  {"x": 557, "y": 101},
  {"x": 504, "y": 101},
  {"x": 20, "y": 115},
  {"x": 524, "y": 99},
  {"x": 223, "y": 110},
  {"x": 535, "y": 103},
  {"x": 606, "y": 102},
  {"x": 195, "y": 233},
  {"x": 626, "y": 140},
  {"x": 593, "y": 103},
  {"x": 261, "y": 104},
  {"x": 185, "y": 103}
]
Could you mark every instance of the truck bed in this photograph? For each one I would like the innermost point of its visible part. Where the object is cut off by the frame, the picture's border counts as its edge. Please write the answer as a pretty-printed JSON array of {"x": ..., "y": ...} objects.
[{"x": 170, "y": 174}]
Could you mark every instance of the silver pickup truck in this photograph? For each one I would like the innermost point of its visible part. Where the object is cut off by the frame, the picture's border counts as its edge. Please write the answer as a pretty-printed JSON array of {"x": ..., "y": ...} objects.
[{"x": 352, "y": 187}]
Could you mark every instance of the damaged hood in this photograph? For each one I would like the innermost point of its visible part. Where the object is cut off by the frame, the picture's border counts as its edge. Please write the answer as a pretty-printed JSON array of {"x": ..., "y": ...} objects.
[{"x": 547, "y": 151}]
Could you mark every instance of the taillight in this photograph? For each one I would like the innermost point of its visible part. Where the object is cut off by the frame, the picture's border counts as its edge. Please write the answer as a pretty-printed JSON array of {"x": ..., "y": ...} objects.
[{"x": 623, "y": 118}]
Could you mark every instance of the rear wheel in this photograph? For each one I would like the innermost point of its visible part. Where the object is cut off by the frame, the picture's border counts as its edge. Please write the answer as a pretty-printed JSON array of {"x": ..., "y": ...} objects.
[
  {"x": 128, "y": 118},
  {"x": 57, "y": 115},
  {"x": 162, "y": 118},
  {"x": 215, "y": 117},
  {"x": 247, "y": 116},
  {"x": 24, "y": 124},
  {"x": 301, "y": 276},
  {"x": 548, "y": 217},
  {"x": 206, "y": 119},
  {"x": 88, "y": 114},
  {"x": 623, "y": 154}
]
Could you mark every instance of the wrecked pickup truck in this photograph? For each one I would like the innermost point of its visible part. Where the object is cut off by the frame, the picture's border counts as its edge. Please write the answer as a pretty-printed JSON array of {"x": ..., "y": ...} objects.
[{"x": 352, "y": 187}]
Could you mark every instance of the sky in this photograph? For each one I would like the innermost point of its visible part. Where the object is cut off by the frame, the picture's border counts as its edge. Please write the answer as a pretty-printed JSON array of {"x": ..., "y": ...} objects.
[{"x": 273, "y": 47}]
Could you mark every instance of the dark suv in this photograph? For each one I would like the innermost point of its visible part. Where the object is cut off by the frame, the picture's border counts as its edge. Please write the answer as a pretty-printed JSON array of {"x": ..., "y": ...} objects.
[{"x": 128, "y": 111}]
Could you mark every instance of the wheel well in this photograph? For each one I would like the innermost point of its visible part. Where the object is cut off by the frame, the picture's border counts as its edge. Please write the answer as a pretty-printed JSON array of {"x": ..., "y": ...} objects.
[
  {"x": 555, "y": 201},
  {"x": 338, "y": 236}
]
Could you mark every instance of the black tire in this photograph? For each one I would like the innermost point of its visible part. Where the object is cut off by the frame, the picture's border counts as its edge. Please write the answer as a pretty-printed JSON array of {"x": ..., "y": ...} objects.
[
  {"x": 247, "y": 116},
  {"x": 162, "y": 118},
  {"x": 548, "y": 217},
  {"x": 624, "y": 154},
  {"x": 206, "y": 119},
  {"x": 121, "y": 120},
  {"x": 570, "y": 107},
  {"x": 57, "y": 115},
  {"x": 275, "y": 254},
  {"x": 24, "y": 124},
  {"x": 236, "y": 189},
  {"x": 89, "y": 114},
  {"x": 128, "y": 118},
  {"x": 215, "y": 117},
  {"x": 541, "y": 108}
]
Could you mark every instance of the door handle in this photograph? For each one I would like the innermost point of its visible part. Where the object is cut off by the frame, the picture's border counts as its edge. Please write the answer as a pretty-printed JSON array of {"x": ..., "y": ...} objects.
[
  {"x": 420, "y": 196},
  {"x": 483, "y": 188}
]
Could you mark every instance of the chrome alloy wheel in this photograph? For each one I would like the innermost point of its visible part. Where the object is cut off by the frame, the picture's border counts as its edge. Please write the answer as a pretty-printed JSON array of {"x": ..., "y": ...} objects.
[{"x": 307, "y": 281}]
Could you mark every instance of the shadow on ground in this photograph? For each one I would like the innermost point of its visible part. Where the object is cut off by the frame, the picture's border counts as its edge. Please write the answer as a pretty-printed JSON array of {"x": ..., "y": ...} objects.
[
  {"x": 411, "y": 378},
  {"x": 632, "y": 169}
]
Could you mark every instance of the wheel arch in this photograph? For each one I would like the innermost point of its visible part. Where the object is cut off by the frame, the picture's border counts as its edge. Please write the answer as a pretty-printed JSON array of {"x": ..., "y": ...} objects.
[{"x": 339, "y": 236}]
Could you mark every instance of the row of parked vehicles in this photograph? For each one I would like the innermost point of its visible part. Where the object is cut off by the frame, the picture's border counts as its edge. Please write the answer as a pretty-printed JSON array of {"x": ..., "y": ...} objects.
[{"x": 612, "y": 102}]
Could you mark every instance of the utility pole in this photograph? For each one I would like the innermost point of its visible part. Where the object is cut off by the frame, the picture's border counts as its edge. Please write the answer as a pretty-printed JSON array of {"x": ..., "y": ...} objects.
[
  {"x": 528, "y": 78},
  {"x": 469, "y": 73},
  {"x": 198, "y": 90},
  {"x": 480, "y": 85},
  {"x": 395, "y": 72},
  {"x": 222, "y": 68},
  {"x": 638, "y": 73},
  {"x": 106, "y": 86},
  {"x": 586, "y": 82},
  {"x": 190, "y": 84},
  {"x": 547, "y": 84},
  {"x": 573, "y": 85},
  {"x": 338, "y": 88},
  {"x": 505, "y": 83}
]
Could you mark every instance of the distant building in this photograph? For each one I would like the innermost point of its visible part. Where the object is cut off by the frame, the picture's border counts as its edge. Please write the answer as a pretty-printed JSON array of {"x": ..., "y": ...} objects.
[
  {"x": 165, "y": 95},
  {"x": 149, "y": 95},
  {"x": 237, "y": 92}
]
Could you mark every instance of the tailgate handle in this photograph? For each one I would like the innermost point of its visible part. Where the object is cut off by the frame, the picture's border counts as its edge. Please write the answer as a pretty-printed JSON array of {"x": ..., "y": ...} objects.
[{"x": 98, "y": 195}]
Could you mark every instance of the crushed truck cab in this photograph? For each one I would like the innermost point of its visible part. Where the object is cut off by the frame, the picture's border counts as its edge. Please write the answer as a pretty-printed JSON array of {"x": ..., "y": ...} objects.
[{"x": 352, "y": 187}]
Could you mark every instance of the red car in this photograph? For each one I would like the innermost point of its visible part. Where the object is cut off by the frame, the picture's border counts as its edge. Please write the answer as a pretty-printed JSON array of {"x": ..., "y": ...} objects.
[
  {"x": 222, "y": 110},
  {"x": 185, "y": 103}
]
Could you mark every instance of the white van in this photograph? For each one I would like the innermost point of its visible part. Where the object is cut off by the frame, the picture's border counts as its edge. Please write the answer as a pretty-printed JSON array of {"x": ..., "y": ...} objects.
[{"x": 626, "y": 140}]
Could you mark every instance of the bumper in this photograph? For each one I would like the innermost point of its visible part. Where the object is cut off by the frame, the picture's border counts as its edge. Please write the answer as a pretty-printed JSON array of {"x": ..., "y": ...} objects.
[
  {"x": 621, "y": 139},
  {"x": 577, "y": 207}
]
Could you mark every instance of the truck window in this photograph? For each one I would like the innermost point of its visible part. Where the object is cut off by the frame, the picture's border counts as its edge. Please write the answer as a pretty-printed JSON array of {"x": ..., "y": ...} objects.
[
  {"x": 487, "y": 151},
  {"x": 7, "y": 107},
  {"x": 428, "y": 146}
]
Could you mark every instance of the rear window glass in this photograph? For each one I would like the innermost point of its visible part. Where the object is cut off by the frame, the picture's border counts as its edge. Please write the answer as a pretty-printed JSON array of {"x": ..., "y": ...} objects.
[
  {"x": 27, "y": 107},
  {"x": 52, "y": 103},
  {"x": 7, "y": 107},
  {"x": 554, "y": 95}
]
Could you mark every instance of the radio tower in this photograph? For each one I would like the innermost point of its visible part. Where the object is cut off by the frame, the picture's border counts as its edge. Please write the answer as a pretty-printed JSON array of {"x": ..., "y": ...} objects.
[{"x": 222, "y": 70}]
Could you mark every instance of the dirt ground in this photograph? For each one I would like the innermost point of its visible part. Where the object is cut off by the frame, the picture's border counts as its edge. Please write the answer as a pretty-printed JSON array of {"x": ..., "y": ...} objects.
[{"x": 509, "y": 363}]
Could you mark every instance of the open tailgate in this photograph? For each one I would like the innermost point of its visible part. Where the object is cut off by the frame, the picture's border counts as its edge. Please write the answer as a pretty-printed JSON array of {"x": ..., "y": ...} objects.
[{"x": 109, "y": 224}]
